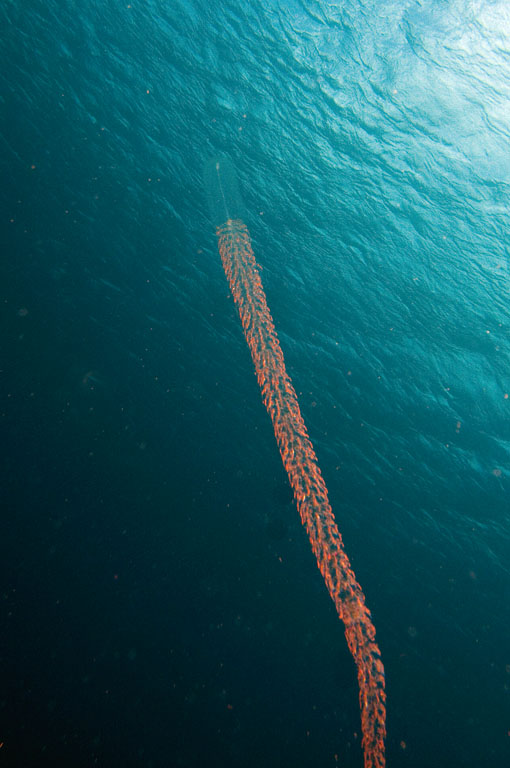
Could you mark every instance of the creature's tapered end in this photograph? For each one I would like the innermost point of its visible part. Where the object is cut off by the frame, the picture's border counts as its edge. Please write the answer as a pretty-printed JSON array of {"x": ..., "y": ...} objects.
[{"x": 222, "y": 190}]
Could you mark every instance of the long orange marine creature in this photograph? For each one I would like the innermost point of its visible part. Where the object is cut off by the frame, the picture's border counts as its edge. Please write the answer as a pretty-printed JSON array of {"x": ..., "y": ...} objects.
[{"x": 297, "y": 452}]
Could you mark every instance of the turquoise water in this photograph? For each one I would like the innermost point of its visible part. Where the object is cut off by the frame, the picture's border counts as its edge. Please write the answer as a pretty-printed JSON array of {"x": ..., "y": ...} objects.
[{"x": 160, "y": 602}]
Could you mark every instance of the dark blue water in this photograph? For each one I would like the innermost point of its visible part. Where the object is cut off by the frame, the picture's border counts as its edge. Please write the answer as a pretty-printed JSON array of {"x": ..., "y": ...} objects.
[{"x": 160, "y": 603}]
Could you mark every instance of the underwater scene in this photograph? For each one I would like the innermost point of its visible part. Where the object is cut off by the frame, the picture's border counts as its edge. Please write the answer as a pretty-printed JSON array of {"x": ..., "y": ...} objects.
[{"x": 255, "y": 390}]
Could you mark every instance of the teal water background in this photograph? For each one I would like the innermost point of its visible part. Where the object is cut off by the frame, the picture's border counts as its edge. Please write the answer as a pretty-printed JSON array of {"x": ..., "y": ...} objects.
[{"x": 160, "y": 603}]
